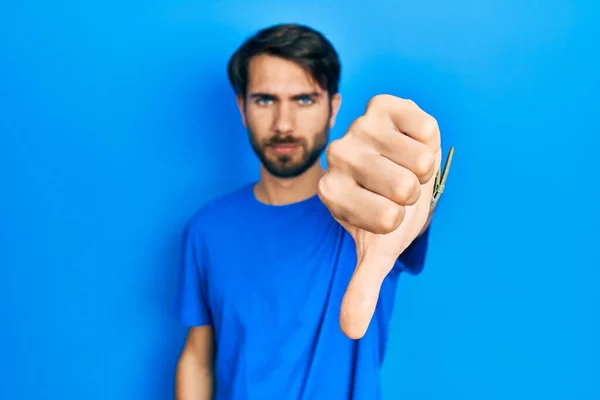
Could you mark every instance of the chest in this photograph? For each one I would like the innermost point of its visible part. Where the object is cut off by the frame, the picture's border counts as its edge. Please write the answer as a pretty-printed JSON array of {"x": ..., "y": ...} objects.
[{"x": 286, "y": 278}]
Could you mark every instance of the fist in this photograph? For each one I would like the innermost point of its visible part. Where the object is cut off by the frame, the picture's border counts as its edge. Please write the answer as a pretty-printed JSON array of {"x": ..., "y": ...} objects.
[{"x": 378, "y": 185}]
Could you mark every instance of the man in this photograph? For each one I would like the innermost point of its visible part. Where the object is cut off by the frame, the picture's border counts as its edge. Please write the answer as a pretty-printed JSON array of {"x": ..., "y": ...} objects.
[{"x": 287, "y": 284}]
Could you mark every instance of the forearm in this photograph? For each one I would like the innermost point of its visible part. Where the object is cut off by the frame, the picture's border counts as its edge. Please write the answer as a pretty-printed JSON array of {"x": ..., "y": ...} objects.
[{"x": 193, "y": 380}]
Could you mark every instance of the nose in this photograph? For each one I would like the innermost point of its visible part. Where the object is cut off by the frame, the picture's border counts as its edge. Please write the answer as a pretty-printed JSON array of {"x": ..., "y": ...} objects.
[{"x": 284, "y": 118}]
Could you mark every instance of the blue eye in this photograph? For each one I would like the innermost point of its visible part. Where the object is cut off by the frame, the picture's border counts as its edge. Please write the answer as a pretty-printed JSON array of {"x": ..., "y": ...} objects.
[
  {"x": 264, "y": 101},
  {"x": 305, "y": 101}
]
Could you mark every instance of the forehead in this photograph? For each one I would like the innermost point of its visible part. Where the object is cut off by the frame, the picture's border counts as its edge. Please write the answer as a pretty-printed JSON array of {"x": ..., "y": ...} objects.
[{"x": 270, "y": 74}]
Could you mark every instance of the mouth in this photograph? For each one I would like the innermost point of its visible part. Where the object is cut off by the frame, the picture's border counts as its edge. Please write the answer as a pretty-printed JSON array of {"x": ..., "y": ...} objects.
[{"x": 284, "y": 148}]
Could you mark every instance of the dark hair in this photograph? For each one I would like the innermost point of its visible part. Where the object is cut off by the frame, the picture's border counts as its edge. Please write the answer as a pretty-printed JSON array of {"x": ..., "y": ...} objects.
[{"x": 298, "y": 43}]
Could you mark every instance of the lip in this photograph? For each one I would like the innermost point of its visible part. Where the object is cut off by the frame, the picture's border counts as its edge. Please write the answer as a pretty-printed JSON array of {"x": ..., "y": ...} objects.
[{"x": 286, "y": 148}]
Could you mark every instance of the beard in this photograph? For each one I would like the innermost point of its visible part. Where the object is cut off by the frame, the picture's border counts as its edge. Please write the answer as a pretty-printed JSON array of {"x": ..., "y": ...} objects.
[{"x": 285, "y": 165}]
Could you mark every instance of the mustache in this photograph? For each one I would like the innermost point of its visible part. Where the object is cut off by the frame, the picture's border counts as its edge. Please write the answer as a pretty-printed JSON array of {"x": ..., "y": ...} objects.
[{"x": 278, "y": 140}]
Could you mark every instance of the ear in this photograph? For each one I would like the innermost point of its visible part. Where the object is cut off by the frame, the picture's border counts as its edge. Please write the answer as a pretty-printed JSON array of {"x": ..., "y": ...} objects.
[
  {"x": 336, "y": 102},
  {"x": 241, "y": 107}
]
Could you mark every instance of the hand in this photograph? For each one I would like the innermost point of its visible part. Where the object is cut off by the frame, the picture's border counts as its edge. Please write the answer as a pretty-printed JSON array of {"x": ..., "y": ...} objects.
[{"x": 378, "y": 184}]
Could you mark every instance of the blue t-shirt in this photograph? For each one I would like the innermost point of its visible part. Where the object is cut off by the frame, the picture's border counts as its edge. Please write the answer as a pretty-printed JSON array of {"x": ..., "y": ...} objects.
[{"x": 270, "y": 281}]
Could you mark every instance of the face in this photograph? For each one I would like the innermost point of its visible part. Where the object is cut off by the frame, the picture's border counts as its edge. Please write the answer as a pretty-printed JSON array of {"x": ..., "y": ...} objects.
[{"x": 287, "y": 115}]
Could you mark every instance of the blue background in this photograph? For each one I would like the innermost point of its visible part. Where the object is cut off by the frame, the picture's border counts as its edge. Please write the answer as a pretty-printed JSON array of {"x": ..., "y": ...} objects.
[{"x": 117, "y": 122}]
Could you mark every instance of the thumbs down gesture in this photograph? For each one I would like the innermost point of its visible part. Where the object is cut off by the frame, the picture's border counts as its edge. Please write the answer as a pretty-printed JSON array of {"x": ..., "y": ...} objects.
[{"x": 381, "y": 180}]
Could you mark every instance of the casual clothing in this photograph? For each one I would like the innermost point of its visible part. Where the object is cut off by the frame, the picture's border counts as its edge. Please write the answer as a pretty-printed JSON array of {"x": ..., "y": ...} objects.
[{"x": 270, "y": 280}]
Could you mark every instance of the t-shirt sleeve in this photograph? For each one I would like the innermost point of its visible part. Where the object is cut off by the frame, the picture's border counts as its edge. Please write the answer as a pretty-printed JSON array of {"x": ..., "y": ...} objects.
[
  {"x": 191, "y": 305},
  {"x": 412, "y": 260}
]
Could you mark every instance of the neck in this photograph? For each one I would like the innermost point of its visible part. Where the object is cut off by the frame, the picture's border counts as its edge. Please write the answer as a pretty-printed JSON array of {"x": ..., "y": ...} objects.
[{"x": 277, "y": 191}]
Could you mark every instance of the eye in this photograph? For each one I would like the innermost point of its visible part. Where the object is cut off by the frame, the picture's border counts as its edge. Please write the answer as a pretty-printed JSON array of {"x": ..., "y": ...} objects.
[
  {"x": 264, "y": 101},
  {"x": 305, "y": 100}
]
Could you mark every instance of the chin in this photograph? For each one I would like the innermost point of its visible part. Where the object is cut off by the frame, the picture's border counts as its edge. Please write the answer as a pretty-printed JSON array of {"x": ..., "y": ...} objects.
[{"x": 289, "y": 171}]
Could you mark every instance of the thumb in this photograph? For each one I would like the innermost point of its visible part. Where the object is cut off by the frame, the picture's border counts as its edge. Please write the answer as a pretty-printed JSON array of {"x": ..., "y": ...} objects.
[
  {"x": 362, "y": 293},
  {"x": 376, "y": 256}
]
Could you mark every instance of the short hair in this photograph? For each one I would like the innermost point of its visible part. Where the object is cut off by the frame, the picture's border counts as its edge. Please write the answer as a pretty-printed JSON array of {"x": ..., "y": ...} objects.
[{"x": 300, "y": 44}]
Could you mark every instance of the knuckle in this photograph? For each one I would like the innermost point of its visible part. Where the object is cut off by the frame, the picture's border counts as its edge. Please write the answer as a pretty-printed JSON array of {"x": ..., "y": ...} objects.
[
  {"x": 334, "y": 152},
  {"x": 362, "y": 132},
  {"x": 389, "y": 218},
  {"x": 424, "y": 164},
  {"x": 360, "y": 125},
  {"x": 328, "y": 192},
  {"x": 381, "y": 102},
  {"x": 324, "y": 189},
  {"x": 376, "y": 101},
  {"x": 406, "y": 191},
  {"x": 410, "y": 104},
  {"x": 431, "y": 128},
  {"x": 401, "y": 189}
]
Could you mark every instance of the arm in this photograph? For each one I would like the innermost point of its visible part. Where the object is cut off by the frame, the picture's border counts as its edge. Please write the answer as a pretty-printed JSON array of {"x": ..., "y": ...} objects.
[
  {"x": 194, "y": 373},
  {"x": 194, "y": 376}
]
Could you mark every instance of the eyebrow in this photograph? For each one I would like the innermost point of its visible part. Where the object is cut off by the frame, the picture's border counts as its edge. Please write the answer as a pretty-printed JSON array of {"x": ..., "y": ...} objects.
[{"x": 264, "y": 95}]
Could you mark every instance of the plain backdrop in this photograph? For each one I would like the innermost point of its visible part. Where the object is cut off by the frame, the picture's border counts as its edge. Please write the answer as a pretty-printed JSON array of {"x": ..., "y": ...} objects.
[{"x": 117, "y": 123}]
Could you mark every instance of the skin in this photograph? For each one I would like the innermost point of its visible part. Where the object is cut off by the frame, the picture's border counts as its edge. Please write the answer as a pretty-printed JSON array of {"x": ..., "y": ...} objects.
[
  {"x": 378, "y": 185},
  {"x": 288, "y": 117},
  {"x": 194, "y": 373}
]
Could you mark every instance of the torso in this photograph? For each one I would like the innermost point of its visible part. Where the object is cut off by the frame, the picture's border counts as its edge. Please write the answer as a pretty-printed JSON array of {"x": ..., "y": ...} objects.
[{"x": 274, "y": 280}]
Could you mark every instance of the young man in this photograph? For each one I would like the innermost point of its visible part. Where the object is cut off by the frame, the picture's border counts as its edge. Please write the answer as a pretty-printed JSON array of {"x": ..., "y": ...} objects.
[{"x": 287, "y": 284}]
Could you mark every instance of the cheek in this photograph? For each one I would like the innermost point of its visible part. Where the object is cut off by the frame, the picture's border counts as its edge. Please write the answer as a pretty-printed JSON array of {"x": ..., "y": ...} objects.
[
  {"x": 259, "y": 122},
  {"x": 312, "y": 124}
]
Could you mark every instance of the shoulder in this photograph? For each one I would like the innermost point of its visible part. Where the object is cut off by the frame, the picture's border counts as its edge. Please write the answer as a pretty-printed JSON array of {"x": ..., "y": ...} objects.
[{"x": 219, "y": 211}]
